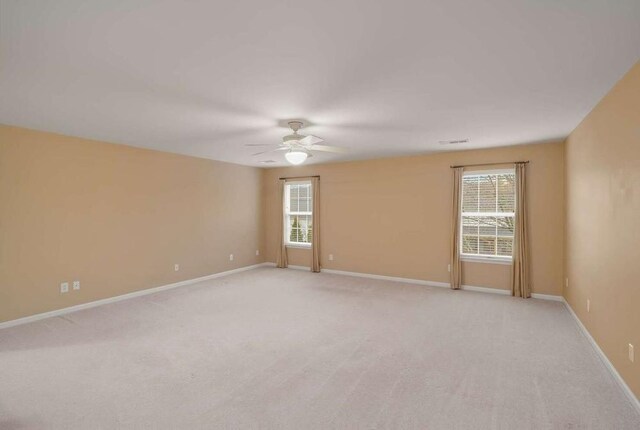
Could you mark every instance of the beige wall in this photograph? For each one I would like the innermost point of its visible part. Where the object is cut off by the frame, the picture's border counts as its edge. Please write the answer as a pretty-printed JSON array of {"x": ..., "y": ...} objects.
[
  {"x": 603, "y": 224},
  {"x": 392, "y": 216},
  {"x": 116, "y": 218}
]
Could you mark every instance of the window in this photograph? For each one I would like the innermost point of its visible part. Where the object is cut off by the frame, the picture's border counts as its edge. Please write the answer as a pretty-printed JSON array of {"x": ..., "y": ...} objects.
[
  {"x": 298, "y": 214},
  {"x": 488, "y": 215}
]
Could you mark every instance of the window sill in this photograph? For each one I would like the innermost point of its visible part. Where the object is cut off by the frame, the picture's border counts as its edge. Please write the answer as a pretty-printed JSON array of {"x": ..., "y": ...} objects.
[
  {"x": 298, "y": 245},
  {"x": 490, "y": 260}
]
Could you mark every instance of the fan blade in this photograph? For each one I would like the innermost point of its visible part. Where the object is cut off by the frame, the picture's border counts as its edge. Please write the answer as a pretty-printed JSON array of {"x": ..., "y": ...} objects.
[
  {"x": 327, "y": 148},
  {"x": 261, "y": 144},
  {"x": 310, "y": 140},
  {"x": 273, "y": 150}
]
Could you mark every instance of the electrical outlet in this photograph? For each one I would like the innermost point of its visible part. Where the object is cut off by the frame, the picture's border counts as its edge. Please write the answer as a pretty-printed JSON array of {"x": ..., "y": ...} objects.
[
  {"x": 330, "y": 257},
  {"x": 76, "y": 285},
  {"x": 176, "y": 267},
  {"x": 631, "y": 354},
  {"x": 230, "y": 257},
  {"x": 566, "y": 282},
  {"x": 448, "y": 267},
  {"x": 257, "y": 252},
  {"x": 588, "y": 305},
  {"x": 64, "y": 287}
]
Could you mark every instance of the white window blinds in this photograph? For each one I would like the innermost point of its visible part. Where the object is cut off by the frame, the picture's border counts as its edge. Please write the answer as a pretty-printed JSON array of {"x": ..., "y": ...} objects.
[
  {"x": 298, "y": 213},
  {"x": 488, "y": 214}
]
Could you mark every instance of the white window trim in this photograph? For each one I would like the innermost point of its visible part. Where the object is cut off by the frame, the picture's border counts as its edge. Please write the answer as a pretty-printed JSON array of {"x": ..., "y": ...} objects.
[
  {"x": 298, "y": 245},
  {"x": 287, "y": 232},
  {"x": 490, "y": 259}
]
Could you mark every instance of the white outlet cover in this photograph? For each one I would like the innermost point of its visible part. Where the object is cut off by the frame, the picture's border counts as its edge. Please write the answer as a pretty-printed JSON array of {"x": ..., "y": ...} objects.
[
  {"x": 631, "y": 353},
  {"x": 230, "y": 257},
  {"x": 257, "y": 252},
  {"x": 76, "y": 285},
  {"x": 588, "y": 305},
  {"x": 64, "y": 287},
  {"x": 330, "y": 257},
  {"x": 176, "y": 267}
]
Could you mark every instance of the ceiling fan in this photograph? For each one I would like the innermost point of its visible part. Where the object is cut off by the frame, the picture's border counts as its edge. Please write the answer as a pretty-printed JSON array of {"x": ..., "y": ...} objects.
[{"x": 299, "y": 147}]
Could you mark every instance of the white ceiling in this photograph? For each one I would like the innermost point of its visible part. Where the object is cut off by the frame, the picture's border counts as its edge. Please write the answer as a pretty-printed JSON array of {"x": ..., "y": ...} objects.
[{"x": 377, "y": 77}]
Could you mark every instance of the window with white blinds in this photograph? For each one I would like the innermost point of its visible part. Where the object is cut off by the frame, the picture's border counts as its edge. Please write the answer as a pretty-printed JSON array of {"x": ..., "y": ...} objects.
[
  {"x": 298, "y": 214},
  {"x": 488, "y": 214}
]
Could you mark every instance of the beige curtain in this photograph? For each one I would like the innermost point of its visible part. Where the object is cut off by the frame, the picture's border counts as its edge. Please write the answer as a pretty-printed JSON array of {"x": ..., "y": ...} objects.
[
  {"x": 456, "y": 265},
  {"x": 520, "y": 286},
  {"x": 282, "y": 249},
  {"x": 315, "y": 223}
]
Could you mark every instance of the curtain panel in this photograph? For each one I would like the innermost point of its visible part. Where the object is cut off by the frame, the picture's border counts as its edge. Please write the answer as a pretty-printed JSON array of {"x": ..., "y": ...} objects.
[
  {"x": 456, "y": 265},
  {"x": 315, "y": 240},
  {"x": 282, "y": 261},
  {"x": 520, "y": 281}
]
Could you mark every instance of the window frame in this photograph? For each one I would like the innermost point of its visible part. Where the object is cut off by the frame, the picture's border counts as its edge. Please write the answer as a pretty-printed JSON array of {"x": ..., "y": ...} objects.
[
  {"x": 484, "y": 258},
  {"x": 287, "y": 214}
]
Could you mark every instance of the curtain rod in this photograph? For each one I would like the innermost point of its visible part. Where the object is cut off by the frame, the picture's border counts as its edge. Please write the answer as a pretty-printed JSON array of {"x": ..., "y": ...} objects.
[
  {"x": 301, "y": 177},
  {"x": 490, "y": 164}
]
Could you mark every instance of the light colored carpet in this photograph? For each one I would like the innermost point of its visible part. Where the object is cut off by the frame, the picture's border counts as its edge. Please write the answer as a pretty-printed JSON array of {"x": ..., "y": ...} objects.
[{"x": 273, "y": 348}]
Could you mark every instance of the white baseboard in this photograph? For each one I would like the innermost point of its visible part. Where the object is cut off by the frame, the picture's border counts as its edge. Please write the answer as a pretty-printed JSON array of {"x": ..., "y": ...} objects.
[
  {"x": 605, "y": 360},
  {"x": 547, "y": 297},
  {"x": 290, "y": 266},
  {"x": 485, "y": 290},
  {"x": 439, "y": 284},
  {"x": 307, "y": 268},
  {"x": 385, "y": 278},
  {"x": 93, "y": 304},
  {"x": 144, "y": 292}
]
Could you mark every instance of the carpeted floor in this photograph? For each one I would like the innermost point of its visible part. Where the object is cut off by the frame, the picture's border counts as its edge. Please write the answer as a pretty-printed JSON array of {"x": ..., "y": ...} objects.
[{"x": 286, "y": 349}]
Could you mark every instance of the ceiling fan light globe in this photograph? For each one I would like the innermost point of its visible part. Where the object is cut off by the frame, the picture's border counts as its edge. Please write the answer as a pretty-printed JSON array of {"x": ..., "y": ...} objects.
[{"x": 296, "y": 157}]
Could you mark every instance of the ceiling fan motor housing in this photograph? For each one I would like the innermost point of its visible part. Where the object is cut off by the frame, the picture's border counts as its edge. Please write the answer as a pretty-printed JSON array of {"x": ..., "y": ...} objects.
[
  {"x": 295, "y": 125},
  {"x": 294, "y": 138}
]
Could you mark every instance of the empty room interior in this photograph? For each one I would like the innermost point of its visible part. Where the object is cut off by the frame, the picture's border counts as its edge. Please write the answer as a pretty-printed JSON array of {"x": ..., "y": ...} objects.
[{"x": 320, "y": 215}]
